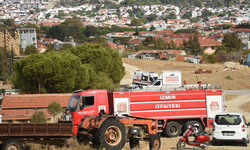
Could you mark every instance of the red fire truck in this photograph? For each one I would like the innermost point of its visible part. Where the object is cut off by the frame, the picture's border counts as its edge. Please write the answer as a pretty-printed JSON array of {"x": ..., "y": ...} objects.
[{"x": 174, "y": 109}]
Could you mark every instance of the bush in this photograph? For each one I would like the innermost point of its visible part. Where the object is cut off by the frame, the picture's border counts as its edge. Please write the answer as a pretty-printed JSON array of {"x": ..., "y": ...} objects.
[
  {"x": 206, "y": 58},
  {"x": 54, "y": 108},
  {"x": 39, "y": 117},
  {"x": 222, "y": 56},
  {"x": 229, "y": 78}
]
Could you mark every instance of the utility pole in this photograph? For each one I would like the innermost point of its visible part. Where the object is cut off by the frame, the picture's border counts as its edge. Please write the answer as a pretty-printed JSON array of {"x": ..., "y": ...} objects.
[{"x": 5, "y": 57}]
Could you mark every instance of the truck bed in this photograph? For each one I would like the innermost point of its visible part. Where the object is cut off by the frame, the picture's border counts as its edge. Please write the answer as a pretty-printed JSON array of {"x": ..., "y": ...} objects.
[{"x": 36, "y": 130}]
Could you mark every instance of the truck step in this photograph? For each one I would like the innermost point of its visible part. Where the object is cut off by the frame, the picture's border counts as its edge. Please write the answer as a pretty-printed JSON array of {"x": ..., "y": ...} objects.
[{"x": 159, "y": 130}]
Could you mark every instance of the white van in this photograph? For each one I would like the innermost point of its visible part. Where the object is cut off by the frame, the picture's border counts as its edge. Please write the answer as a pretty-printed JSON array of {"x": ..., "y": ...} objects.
[
  {"x": 230, "y": 127},
  {"x": 144, "y": 77}
]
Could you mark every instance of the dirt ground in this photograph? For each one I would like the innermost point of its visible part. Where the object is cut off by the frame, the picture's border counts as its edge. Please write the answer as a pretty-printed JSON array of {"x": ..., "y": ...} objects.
[{"x": 240, "y": 78}]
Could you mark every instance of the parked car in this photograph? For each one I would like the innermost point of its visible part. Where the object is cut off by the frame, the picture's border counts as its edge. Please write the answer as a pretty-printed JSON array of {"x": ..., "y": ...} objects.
[{"x": 230, "y": 127}]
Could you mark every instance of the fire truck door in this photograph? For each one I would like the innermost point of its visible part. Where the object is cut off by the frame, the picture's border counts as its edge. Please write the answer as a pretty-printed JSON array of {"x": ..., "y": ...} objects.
[
  {"x": 121, "y": 106},
  {"x": 214, "y": 105}
]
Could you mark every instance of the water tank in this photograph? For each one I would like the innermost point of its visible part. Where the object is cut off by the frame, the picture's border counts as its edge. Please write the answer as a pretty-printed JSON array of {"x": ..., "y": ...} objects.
[{"x": 248, "y": 60}]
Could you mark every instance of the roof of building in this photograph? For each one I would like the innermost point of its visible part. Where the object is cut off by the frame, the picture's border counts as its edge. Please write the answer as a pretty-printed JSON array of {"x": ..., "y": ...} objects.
[{"x": 134, "y": 41}]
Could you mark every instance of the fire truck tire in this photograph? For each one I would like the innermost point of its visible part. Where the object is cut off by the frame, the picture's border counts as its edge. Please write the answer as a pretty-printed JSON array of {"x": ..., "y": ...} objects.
[
  {"x": 172, "y": 129},
  {"x": 111, "y": 135},
  {"x": 155, "y": 142},
  {"x": 200, "y": 129},
  {"x": 13, "y": 144}
]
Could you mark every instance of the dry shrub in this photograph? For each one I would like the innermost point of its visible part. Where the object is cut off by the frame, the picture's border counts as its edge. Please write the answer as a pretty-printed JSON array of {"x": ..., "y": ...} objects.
[{"x": 222, "y": 56}]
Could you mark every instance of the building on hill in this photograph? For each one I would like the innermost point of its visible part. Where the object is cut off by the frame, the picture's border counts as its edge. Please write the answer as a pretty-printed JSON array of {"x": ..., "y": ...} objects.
[
  {"x": 27, "y": 37},
  {"x": 20, "y": 108}
]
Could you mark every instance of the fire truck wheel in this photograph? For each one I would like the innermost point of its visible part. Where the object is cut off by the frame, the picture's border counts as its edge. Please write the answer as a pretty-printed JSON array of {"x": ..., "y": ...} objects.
[
  {"x": 111, "y": 135},
  {"x": 172, "y": 129},
  {"x": 154, "y": 142},
  {"x": 13, "y": 144},
  {"x": 81, "y": 138},
  {"x": 200, "y": 129}
]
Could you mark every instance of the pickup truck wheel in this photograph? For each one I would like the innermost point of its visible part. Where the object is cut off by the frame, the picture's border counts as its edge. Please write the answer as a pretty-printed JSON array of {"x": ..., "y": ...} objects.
[
  {"x": 111, "y": 135},
  {"x": 155, "y": 142},
  {"x": 12, "y": 144},
  {"x": 172, "y": 129}
]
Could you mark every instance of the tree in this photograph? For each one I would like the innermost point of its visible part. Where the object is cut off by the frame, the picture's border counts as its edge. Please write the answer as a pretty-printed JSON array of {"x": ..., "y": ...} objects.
[
  {"x": 38, "y": 117},
  {"x": 90, "y": 31},
  {"x": 1, "y": 60},
  {"x": 102, "y": 42},
  {"x": 172, "y": 15},
  {"x": 148, "y": 40},
  {"x": 66, "y": 46},
  {"x": 50, "y": 48},
  {"x": 219, "y": 48},
  {"x": 66, "y": 71},
  {"x": 9, "y": 23},
  {"x": 206, "y": 13},
  {"x": 222, "y": 56},
  {"x": 152, "y": 28},
  {"x": 136, "y": 32},
  {"x": 30, "y": 49},
  {"x": 232, "y": 42},
  {"x": 47, "y": 15},
  {"x": 187, "y": 15},
  {"x": 152, "y": 17},
  {"x": 54, "y": 108},
  {"x": 136, "y": 22}
]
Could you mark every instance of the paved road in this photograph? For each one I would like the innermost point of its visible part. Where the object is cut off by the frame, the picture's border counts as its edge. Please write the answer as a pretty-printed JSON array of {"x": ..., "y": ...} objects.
[{"x": 237, "y": 92}]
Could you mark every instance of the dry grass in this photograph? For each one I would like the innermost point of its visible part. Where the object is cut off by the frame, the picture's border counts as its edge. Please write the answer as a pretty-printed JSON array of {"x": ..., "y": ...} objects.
[
  {"x": 239, "y": 82},
  {"x": 246, "y": 106},
  {"x": 72, "y": 145}
]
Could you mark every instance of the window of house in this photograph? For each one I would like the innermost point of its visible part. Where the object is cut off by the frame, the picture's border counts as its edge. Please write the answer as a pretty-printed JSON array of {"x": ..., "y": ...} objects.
[
  {"x": 31, "y": 31},
  {"x": 33, "y": 39}
]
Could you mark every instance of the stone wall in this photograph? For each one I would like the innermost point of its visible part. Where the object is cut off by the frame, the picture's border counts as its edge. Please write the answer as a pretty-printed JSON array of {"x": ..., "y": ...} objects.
[{"x": 12, "y": 39}]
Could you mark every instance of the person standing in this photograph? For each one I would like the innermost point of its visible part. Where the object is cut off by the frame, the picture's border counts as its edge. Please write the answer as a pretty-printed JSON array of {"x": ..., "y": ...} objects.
[{"x": 67, "y": 116}]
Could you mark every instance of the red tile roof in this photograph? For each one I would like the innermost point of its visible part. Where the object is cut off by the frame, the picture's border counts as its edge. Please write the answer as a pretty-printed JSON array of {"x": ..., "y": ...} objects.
[
  {"x": 134, "y": 41},
  {"x": 33, "y": 100}
]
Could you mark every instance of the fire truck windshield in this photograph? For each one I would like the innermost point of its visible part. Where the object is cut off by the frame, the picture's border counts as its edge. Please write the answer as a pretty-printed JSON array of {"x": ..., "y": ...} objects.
[{"x": 73, "y": 103}]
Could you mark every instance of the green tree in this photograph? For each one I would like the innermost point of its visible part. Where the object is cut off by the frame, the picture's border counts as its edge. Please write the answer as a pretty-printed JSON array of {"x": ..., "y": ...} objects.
[
  {"x": 152, "y": 28},
  {"x": 172, "y": 15},
  {"x": 232, "y": 42},
  {"x": 38, "y": 117},
  {"x": 9, "y": 23},
  {"x": 54, "y": 108},
  {"x": 187, "y": 15},
  {"x": 66, "y": 46},
  {"x": 101, "y": 60},
  {"x": 141, "y": 47},
  {"x": 50, "y": 48},
  {"x": 219, "y": 48},
  {"x": 209, "y": 58},
  {"x": 90, "y": 31},
  {"x": 136, "y": 22},
  {"x": 47, "y": 15},
  {"x": 206, "y": 13},
  {"x": 30, "y": 49},
  {"x": 149, "y": 40},
  {"x": 152, "y": 17}
]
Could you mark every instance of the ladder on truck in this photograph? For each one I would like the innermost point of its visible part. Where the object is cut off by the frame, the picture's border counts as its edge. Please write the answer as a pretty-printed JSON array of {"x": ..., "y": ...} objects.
[{"x": 174, "y": 88}]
